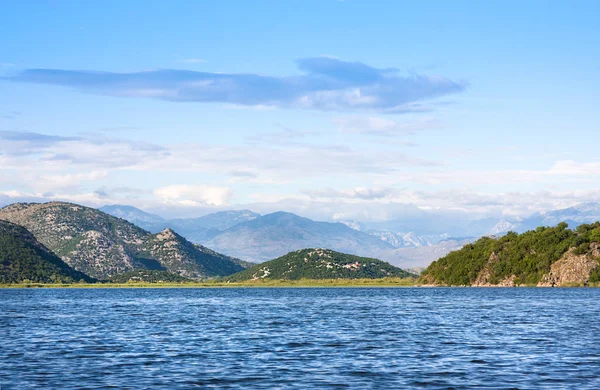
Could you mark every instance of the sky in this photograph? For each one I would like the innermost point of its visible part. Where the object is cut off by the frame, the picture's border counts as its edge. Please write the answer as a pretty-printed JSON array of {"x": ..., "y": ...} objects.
[{"x": 336, "y": 110}]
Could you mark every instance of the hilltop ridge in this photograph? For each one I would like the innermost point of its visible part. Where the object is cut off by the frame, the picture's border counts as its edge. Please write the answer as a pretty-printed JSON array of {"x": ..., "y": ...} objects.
[{"x": 320, "y": 263}]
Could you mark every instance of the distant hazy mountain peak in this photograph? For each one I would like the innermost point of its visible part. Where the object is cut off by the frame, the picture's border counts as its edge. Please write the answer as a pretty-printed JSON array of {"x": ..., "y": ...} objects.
[
  {"x": 194, "y": 229},
  {"x": 282, "y": 217},
  {"x": 502, "y": 226},
  {"x": 281, "y": 232},
  {"x": 130, "y": 213},
  {"x": 578, "y": 209},
  {"x": 244, "y": 212},
  {"x": 585, "y": 206},
  {"x": 354, "y": 225},
  {"x": 283, "y": 214}
]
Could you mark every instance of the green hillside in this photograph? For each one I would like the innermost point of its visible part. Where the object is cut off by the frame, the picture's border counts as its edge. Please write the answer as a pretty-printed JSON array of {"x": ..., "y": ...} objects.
[
  {"x": 320, "y": 264},
  {"x": 148, "y": 276},
  {"x": 23, "y": 258},
  {"x": 531, "y": 258}
]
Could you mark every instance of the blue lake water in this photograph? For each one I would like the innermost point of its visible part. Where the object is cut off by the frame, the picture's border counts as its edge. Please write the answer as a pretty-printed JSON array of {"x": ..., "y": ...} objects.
[{"x": 300, "y": 338}]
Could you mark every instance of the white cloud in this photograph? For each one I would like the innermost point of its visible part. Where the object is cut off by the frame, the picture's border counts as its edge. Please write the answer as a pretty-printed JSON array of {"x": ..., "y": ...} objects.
[
  {"x": 381, "y": 204},
  {"x": 72, "y": 179},
  {"x": 568, "y": 167},
  {"x": 191, "y": 195},
  {"x": 325, "y": 84}
]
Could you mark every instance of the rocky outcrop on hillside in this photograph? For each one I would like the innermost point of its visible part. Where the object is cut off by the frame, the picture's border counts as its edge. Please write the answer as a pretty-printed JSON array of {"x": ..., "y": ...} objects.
[
  {"x": 95, "y": 253},
  {"x": 485, "y": 277},
  {"x": 572, "y": 268},
  {"x": 101, "y": 245},
  {"x": 175, "y": 253},
  {"x": 57, "y": 223}
]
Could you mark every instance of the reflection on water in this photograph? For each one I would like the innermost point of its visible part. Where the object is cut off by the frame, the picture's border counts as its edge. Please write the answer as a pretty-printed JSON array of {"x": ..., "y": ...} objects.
[{"x": 300, "y": 338}]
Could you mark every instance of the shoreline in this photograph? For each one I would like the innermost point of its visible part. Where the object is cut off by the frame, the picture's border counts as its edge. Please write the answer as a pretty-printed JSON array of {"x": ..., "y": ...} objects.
[
  {"x": 385, "y": 282},
  {"x": 303, "y": 283}
]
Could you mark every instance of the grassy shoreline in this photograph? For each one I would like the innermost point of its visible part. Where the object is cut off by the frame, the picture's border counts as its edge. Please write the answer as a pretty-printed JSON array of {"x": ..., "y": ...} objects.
[
  {"x": 385, "y": 282},
  {"x": 302, "y": 283}
]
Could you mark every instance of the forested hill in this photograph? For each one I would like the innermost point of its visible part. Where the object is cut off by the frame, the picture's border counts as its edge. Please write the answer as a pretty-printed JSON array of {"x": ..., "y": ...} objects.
[
  {"x": 24, "y": 259},
  {"x": 320, "y": 264},
  {"x": 555, "y": 256},
  {"x": 148, "y": 276}
]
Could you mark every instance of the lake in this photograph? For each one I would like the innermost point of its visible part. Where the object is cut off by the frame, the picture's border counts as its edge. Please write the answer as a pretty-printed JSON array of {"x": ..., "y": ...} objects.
[{"x": 382, "y": 338}]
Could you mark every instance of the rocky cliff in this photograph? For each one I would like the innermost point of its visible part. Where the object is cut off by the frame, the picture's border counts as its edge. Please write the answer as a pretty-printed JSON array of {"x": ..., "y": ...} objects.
[{"x": 573, "y": 269}]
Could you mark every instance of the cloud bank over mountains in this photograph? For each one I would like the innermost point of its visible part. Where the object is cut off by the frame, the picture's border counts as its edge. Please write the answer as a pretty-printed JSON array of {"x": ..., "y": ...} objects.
[{"x": 199, "y": 178}]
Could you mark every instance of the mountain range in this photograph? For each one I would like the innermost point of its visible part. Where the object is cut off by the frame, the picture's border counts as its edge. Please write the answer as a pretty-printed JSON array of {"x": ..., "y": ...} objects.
[
  {"x": 574, "y": 216},
  {"x": 413, "y": 242},
  {"x": 198, "y": 230},
  {"x": 251, "y": 236},
  {"x": 65, "y": 241},
  {"x": 101, "y": 245},
  {"x": 276, "y": 234}
]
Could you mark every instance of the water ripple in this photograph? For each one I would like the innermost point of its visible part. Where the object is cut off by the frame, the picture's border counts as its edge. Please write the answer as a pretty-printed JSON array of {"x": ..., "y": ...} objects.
[{"x": 300, "y": 338}]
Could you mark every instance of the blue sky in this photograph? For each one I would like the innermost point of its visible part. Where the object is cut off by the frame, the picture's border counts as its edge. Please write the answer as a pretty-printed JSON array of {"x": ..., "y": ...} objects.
[{"x": 332, "y": 109}]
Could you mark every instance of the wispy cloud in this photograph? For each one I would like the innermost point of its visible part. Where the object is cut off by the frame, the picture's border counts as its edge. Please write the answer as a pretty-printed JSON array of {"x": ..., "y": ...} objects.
[
  {"x": 35, "y": 138},
  {"x": 15, "y": 143},
  {"x": 10, "y": 114},
  {"x": 38, "y": 164},
  {"x": 383, "y": 126},
  {"x": 83, "y": 150},
  {"x": 360, "y": 193},
  {"x": 326, "y": 84}
]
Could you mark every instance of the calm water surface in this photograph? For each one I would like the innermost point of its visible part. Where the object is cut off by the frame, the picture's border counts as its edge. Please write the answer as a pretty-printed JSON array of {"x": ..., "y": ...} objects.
[{"x": 300, "y": 338}]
